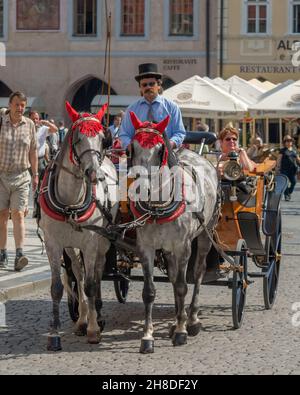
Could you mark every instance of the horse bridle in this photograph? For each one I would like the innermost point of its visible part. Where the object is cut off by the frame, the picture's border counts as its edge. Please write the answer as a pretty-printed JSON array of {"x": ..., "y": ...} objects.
[
  {"x": 77, "y": 157},
  {"x": 153, "y": 131}
]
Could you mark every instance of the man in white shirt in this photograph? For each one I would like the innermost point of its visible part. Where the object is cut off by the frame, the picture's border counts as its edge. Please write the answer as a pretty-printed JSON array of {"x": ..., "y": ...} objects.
[{"x": 43, "y": 130}]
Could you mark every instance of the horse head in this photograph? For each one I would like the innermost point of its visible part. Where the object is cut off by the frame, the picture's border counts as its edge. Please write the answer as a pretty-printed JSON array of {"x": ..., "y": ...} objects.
[
  {"x": 87, "y": 141},
  {"x": 148, "y": 145}
]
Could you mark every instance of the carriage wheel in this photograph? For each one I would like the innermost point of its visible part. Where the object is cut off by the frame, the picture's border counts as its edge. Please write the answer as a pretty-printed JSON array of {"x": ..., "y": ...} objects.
[
  {"x": 122, "y": 286},
  {"x": 239, "y": 287},
  {"x": 272, "y": 280}
]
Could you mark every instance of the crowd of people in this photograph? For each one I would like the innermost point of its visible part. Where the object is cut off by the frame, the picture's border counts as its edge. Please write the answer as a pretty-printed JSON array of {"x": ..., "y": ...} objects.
[{"x": 27, "y": 144}]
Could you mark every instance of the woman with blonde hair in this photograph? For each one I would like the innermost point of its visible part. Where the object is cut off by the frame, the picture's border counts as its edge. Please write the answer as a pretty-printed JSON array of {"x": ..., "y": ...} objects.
[{"x": 229, "y": 142}]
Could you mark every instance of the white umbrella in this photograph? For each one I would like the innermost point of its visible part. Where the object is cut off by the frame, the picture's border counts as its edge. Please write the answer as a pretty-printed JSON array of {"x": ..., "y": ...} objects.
[
  {"x": 281, "y": 102},
  {"x": 242, "y": 89},
  {"x": 198, "y": 97},
  {"x": 258, "y": 84}
]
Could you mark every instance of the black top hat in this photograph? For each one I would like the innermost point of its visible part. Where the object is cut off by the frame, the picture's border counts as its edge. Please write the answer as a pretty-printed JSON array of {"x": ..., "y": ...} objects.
[{"x": 148, "y": 70}]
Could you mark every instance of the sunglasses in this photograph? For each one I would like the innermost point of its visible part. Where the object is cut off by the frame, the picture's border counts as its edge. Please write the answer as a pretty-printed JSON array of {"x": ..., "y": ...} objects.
[
  {"x": 231, "y": 139},
  {"x": 288, "y": 141},
  {"x": 145, "y": 84}
]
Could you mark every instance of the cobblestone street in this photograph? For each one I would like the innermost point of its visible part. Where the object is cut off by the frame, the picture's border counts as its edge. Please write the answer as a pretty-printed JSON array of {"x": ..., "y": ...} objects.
[{"x": 267, "y": 343}]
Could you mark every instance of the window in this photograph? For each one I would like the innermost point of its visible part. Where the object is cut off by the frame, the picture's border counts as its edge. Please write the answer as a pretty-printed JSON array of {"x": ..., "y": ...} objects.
[
  {"x": 181, "y": 18},
  {"x": 38, "y": 15},
  {"x": 1, "y": 18},
  {"x": 132, "y": 17},
  {"x": 257, "y": 16},
  {"x": 85, "y": 18},
  {"x": 296, "y": 16}
]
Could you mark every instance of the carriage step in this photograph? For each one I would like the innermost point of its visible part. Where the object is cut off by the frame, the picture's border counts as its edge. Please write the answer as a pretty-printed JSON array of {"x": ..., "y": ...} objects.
[{"x": 257, "y": 275}]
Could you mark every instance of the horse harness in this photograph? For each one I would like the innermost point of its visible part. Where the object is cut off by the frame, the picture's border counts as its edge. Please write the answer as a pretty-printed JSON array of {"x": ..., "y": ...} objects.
[{"x": 79, "y": 213}]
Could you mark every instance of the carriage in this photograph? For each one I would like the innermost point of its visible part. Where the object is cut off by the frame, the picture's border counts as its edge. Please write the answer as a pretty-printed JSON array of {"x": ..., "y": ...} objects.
[{"x": 249, "y": 229}]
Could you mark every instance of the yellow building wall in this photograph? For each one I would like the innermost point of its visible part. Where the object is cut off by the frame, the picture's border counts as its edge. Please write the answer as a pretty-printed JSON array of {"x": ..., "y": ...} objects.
[{"x": 268, "y": 55}]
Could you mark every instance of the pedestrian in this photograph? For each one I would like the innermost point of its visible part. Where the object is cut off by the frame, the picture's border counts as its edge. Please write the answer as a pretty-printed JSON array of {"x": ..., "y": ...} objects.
[
  {"x": 62, "y": 131},
  {"x": 256, "y": 149},
  {"x": 287, "y": 163},
  {"x": 44, "y": 129},
  {"x": 18, "y": 152},
  {"x": 153, "y": 107},
  {"x": 201, "y": 126},
  {"x": 115, "y": 128},
  {"x": 52, "y": 142}
]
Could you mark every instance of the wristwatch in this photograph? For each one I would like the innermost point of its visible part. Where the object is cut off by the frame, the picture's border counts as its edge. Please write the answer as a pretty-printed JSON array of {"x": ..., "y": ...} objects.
[{"x": 36, "y": 174}]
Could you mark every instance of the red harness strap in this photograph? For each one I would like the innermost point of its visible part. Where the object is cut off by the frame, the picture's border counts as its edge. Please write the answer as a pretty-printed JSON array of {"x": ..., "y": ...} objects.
[
  {"x": 176, "y": 214},
  {"x": 60, "y": 217}
]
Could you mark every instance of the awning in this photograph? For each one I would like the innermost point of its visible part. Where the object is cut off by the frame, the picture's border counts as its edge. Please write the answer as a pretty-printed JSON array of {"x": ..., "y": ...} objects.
[
  {"x": 117, "y": 103},
  {"x": 35, "y": 103}
]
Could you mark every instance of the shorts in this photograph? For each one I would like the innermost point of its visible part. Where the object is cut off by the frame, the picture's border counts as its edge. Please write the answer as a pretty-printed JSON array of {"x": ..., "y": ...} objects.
[{"x": 14, "y": 190}]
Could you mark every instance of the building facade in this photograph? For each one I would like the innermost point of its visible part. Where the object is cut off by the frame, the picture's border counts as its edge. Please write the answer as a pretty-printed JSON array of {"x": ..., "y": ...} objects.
[
  {"x": 258, "y": 39},
  {"x": 56, "y": 49}
]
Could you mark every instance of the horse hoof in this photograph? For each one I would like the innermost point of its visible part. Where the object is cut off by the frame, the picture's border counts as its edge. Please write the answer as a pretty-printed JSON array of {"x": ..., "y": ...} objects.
[
  {"x": 101, "y": 324},
  {"x": 193, "y": 330},
  {"x": 94, "y": 337},
  {"x": 54, "y": 343},
  {"x": 179, "y": 339},
  {"x": 81, "y": 330},
  {"x": 147, "y": 346},
  {"x": 172, "y": 331}
]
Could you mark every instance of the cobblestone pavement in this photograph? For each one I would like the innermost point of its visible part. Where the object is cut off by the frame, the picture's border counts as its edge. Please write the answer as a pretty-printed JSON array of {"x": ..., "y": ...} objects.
[{"x": 267, "y": 343}]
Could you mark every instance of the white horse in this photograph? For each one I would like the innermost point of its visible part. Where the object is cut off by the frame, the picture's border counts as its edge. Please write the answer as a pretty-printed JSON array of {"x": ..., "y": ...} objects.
[
  {"x": 172, "y": 233},
  {"x": 79, "y": 189}
]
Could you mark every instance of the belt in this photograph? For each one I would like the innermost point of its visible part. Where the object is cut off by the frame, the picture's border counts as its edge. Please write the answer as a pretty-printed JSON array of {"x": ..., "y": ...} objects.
[{"x": 41, "y": 157}]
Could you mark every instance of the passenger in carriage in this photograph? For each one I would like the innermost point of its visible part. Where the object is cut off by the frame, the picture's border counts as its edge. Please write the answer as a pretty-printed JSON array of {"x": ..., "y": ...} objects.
[
  {"x": 229, "y": 142},
  {"x": 153, "y": 107}
]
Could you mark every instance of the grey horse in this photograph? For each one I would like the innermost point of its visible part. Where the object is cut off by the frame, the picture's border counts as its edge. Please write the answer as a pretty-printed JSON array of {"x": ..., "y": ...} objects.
[
  {"x": 173, "y": 238},
  {"x": 80, "y": 170}
]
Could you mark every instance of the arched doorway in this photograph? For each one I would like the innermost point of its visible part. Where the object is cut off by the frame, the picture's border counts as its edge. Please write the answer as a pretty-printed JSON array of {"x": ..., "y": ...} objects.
[
  {"x": 5, "y": 91},
  {"x": 167, "y": 82},
  {"x": 85, "y": 92}
]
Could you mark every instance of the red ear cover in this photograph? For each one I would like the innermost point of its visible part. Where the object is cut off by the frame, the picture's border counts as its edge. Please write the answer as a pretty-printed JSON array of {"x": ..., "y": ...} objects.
[
  {"x": 161, "y": 126},
  {"x": 73, "y": 114},
  {"x": 135, "y": 121}
]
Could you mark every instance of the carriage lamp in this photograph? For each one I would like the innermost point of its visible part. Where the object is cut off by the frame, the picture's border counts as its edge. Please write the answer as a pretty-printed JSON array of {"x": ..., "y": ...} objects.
[{"x": 232, "y": 170}]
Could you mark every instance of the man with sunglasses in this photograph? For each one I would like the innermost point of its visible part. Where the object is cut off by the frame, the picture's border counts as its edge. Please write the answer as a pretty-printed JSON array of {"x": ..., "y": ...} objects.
[{"x": 153, "y": 107}]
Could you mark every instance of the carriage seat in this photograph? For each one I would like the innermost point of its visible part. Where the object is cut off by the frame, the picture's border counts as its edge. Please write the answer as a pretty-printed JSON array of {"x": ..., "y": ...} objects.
[{"x": 197, "y": 137}]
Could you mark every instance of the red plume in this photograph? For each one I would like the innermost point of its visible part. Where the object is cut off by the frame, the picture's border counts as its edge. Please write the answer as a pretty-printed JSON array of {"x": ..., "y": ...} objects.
[
  {"x": 135, "y": 121},
  {"x": 161, "y": 126},
  {"x": 101, "y": 113},
  {"x": 73, "y": 114}
]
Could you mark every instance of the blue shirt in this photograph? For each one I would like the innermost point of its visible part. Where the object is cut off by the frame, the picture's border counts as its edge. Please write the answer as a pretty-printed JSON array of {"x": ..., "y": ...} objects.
[
  {"x": 114, "y": 130},
  {"x": 161, "y": 108}
]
